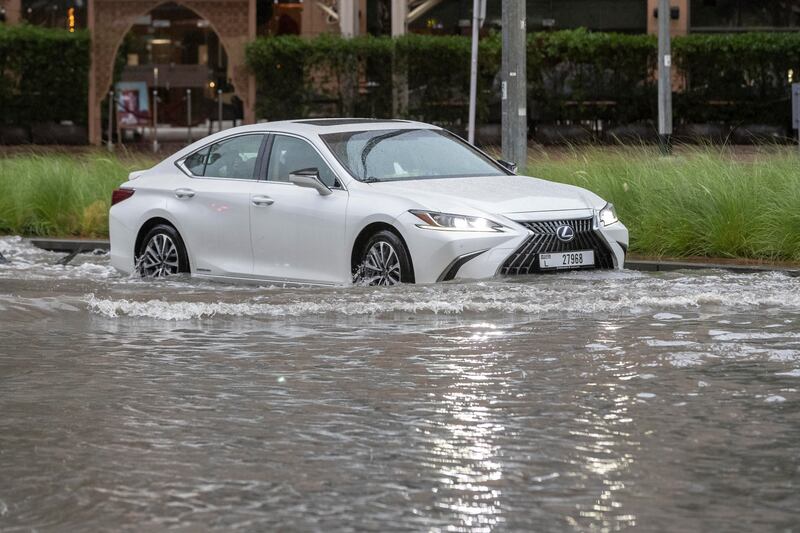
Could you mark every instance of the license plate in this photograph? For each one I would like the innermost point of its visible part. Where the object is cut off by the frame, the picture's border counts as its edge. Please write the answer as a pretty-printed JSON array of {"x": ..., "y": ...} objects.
[{"x": 577, "y": 259}]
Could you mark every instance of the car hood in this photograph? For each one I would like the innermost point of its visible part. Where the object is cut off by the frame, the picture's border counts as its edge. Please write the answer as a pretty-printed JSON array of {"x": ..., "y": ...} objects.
[{"x": 503, "y": 195}]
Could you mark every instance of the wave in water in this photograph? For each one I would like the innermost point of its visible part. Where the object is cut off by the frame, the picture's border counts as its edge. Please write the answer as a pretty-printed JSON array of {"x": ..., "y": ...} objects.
[{"x": 545, "y": 295}]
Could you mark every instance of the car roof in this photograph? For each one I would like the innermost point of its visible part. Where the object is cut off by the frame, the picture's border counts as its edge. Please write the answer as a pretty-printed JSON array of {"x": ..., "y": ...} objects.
[
  {"x": 329, "y": 122},
  {"x": 321, "y": 126}
]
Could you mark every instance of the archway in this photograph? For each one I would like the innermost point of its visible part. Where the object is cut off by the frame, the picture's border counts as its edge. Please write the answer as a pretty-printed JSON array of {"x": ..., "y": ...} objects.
[{"x": 234, "y": 22}]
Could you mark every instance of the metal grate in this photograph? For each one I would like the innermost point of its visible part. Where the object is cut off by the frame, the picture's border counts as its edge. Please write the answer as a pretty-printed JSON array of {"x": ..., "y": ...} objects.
[{"x": 525, "y": 260}]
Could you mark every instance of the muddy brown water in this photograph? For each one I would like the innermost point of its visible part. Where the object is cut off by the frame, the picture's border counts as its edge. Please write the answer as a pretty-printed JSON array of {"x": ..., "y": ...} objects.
[{"x": 576, "y": 402}]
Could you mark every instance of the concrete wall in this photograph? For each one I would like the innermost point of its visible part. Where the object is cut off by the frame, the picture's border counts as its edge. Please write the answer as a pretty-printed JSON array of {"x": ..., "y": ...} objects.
[
  {"x": 13, "y": 9},
  {"x": 678, "y": 27}
]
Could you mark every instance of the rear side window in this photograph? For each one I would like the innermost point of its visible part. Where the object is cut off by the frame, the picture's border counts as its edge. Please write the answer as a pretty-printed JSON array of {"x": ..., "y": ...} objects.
[
  {"x": 233, "y": 158},
  {"x": 196, "y": 163}
]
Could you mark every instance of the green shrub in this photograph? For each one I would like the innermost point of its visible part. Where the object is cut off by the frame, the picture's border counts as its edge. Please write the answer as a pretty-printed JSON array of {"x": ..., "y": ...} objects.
[{"x": 43, "y": 75}]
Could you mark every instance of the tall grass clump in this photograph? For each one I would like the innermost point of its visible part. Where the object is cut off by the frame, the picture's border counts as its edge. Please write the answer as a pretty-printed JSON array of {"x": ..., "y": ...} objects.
[
  {"x": 705, "y": 201},
  {"x": 59, "y": 194}
]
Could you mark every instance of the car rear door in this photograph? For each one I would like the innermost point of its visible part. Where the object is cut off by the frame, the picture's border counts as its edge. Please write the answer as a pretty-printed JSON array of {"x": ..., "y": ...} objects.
[
  {"x": 213, "y": 208},
  {"x": 297, "y": 233}
]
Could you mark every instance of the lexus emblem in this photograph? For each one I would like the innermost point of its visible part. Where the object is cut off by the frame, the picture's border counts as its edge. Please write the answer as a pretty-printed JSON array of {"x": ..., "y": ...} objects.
[{"x": 565, "y": 233}]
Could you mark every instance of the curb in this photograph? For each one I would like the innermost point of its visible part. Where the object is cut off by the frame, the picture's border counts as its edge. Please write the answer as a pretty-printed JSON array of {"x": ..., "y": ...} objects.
[
  {"x": 71, "y": 245},
  {"x": 671, "y": 266},
  {"x": 76, "y": 246}
]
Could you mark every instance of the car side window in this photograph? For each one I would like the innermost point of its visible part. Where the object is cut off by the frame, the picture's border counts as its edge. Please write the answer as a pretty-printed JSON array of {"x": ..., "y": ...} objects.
[
  {"x": 231, "y": 158},
  {"x": 290, "y": 154},
  {"x": 234, "y": 158},
  {"x": 196, "y": 163}
]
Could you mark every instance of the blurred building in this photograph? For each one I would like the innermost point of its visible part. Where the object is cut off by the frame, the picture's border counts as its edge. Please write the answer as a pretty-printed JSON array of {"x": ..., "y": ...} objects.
[{"x": 310, "y": 17}]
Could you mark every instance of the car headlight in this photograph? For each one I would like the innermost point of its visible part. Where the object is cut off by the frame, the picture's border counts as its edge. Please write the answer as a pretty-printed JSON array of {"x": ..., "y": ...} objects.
[
  {"x": 448, "y": 222},
  {"x": 608, "y": 215}
]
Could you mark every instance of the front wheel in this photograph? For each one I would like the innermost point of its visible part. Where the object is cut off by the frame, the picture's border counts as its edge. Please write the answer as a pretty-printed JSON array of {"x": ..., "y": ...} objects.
[
  {"x": 384, "y": 261},
  {"x": 161, "y": 253}
]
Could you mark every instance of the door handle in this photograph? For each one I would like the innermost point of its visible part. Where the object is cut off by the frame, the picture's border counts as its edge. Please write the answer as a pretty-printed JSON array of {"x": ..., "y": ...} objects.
[
  {"x": 184, "y": 193},
  {"x": 261, "y": 200}
]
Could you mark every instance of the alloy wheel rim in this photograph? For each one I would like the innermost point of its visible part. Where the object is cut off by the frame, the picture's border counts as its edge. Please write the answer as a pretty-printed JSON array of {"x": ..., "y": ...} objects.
[
  {"x": 381, "y": 265},
  {"x": 160, "y": 257}
]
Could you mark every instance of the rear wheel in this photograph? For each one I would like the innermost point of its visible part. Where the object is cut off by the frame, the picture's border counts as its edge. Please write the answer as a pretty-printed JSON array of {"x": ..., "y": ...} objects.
[
  {"x": 161, "y": 253},
  {"x": 384, "y": 261}
]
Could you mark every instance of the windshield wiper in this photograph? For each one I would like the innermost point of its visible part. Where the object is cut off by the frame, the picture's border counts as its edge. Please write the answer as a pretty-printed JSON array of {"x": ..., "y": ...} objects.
[
  {"x": 371, "y": 179},
  {"x": 372, "y": 143}
]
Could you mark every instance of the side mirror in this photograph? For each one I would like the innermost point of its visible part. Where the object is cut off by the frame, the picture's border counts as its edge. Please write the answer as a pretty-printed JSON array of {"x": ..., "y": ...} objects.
[
  {"x": 309, "y": 177},
  {"x": 508, "y": 165}
]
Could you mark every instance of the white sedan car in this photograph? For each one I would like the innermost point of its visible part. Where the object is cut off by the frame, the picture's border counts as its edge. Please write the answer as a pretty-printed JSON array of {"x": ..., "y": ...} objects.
[{"x": 332, "y": 201}]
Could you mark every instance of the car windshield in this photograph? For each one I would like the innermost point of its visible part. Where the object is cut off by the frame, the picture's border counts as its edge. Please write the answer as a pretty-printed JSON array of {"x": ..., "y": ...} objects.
[{"x": 390, "y": 155}]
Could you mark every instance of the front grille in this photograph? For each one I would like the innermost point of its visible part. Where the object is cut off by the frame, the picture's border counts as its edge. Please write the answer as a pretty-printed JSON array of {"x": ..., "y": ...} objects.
[{"x": 525, "y": 260}]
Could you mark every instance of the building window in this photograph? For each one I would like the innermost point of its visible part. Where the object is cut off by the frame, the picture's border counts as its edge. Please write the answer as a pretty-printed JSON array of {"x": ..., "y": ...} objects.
[
  {"x": 744, "y": 15},
  {"x": 628, "y": 16},
  {"x": 64, "y": 14}
]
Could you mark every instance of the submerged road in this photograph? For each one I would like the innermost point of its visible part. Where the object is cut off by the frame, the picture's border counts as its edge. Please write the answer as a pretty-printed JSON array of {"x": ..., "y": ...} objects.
[{"x": 584, "y": 401}]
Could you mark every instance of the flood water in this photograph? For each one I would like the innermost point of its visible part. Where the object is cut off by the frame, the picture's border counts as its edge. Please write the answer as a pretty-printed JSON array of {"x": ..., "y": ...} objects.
[{"x": 576, "y": 402}]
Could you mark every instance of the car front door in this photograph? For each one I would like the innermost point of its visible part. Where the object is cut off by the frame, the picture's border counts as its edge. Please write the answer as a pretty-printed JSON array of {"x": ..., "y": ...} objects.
[
  {"x": 213, "y": 207},
  {"x": 297, "y": 233}
]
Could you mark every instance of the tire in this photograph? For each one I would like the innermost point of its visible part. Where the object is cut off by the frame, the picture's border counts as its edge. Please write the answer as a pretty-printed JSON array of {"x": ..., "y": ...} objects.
[
  {"x": 161, "y": 253},
  {"x": 384, "y": 260}
]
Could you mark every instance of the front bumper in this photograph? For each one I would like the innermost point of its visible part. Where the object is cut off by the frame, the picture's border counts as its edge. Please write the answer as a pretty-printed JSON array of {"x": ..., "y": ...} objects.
[{"x": 445, "y": 255}]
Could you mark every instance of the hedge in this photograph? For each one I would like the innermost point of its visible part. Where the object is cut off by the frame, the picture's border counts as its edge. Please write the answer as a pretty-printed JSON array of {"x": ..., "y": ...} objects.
[
  {"x": 294, "y": 73},
  {"x": 43, "y": 75},
  {"x": 580, "y": 75},
  {"x": 573, "y": 75},
  {"x": 740, "y": 78},
  {"x": 300, "y": 77}
]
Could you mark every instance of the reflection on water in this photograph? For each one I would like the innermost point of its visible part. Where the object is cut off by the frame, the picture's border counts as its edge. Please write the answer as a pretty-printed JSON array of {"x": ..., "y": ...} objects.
[
  {"x": 466, "y": 455},
  {"x": 585, "y": 402}
]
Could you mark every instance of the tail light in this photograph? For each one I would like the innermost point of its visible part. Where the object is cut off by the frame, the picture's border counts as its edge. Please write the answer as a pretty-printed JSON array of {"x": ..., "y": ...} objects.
[{"x": 121, "y": 194}]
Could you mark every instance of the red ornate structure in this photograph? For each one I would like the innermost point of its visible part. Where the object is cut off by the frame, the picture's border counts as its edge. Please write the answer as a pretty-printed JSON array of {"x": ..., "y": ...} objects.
[{"x": 234, "y": 21}]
